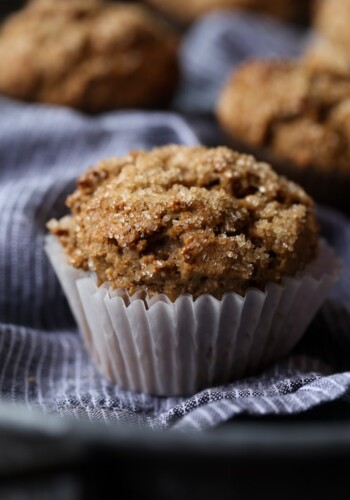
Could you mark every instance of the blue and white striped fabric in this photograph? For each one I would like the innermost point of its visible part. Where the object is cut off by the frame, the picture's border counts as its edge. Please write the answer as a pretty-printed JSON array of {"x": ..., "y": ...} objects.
[{"x": 43, "y": 364}]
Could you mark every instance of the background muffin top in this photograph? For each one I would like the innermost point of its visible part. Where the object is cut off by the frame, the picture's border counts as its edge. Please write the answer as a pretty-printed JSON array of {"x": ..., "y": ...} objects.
[
  {"x": 330, "y": 49},
  {"x": 87, "y": 54},
  {"x": 300, "y": 114},
  {"x": 188, "y": 220}
]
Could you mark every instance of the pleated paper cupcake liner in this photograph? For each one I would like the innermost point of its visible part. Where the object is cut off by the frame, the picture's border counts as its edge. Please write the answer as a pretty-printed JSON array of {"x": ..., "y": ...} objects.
[{"x": 166, "y": 348}]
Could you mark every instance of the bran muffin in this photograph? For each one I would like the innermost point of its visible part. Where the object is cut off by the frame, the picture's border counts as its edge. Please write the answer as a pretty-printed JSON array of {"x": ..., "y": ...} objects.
[
  {"x": 186, "y": 11},
  {"x": 188, "y": 267},
  {"x": 289, "y": 113},
  {"x": 88, "y": 55},
  {"x": 180, "y": 220}
]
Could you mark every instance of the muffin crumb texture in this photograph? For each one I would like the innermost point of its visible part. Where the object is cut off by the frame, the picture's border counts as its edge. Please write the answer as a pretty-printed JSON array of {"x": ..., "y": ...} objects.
[{"x": 190, "y": 220}]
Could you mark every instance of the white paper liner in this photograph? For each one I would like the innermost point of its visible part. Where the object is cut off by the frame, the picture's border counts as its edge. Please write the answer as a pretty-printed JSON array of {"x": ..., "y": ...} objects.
[{"x": 164, "y": 348}]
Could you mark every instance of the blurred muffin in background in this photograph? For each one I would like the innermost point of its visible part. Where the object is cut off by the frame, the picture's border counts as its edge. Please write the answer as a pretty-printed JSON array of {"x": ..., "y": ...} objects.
[
  {"x": 330, "y": 51},
  {"x": 325, "y": 56},
  {"x": 186, "y": 11},
  {"x": 298, "y": 119},
  {"x": 332, "y": 18},
  {"x": 87, "y": 54}
]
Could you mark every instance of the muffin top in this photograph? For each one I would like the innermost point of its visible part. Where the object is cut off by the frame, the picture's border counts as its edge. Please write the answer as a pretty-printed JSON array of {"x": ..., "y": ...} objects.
[
  {"x": 87, "y": 54},
  {"x": 290, "y": 109},
  {"x": 188, "y": 10},
  {"x": 191, "y": 220}
]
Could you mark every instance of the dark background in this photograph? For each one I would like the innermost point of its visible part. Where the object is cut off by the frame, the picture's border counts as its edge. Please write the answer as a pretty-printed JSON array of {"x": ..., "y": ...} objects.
[{"x": 7, "y": 6}]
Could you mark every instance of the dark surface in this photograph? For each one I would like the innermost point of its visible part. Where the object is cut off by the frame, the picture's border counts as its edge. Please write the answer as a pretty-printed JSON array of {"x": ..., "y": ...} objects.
[
  {"x": 8, "y": 6},
  {"x": 265, "y": 459}
]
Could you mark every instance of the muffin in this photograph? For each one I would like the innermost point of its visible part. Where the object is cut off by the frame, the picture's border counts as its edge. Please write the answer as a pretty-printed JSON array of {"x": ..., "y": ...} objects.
[
  {"x": 332, "y": 19},
  {"x": 187, "y": 11},
  {"x": 293, "y": 116},
  {"x": 88, "y": 55},
  {"x": 324, "y": 56},
  {"x": 330, "y": 51},
  {"x": 189, "y": 265}
]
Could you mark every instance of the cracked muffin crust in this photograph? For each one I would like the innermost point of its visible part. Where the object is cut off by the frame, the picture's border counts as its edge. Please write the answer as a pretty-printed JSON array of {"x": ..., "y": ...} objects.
[
  {"x": 191, "y": 220},
  {"x": 295, "y": 112},
  {"x": 88, "y": 55},
  {"x": 189, "y": 10}
]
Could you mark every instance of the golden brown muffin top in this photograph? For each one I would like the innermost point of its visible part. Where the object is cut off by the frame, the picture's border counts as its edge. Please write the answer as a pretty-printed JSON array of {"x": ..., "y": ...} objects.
[
  {"x": 289, "y": 108},
  {"x": 192, "y": 220},
  {"x": 87, "y": 54}
]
